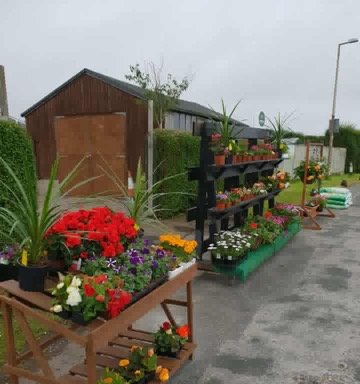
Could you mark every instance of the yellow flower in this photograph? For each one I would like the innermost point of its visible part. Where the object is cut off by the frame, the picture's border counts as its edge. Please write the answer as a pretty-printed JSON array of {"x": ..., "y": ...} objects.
[
  {"x": 164, "y": 375},
  {"x": 136, "y": 227},
  {"x": 124, "y": 363},
  {"x": 281, "y": 146},
  {"x": 158, "y": 369},
  {"x": 107, "y": 380},
  {"x": 137, "y": 372}
]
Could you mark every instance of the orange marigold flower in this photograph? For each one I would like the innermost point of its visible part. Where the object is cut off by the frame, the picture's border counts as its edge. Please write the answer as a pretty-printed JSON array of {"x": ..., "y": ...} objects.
[
  {"x": 107, "y": 380},
  {"x": 124, "y": 363},
  {"x": 150, "y": 352},
  {"x": 164, "y": 375}
]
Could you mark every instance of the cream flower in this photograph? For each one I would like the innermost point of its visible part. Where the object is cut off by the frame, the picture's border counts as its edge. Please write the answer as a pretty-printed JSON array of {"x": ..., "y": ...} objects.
[
  {"x": 76, "y": 282},
  {"x": 74, "y": 297},
  {"x": 57, "y": 308},
  {"x": 60, "y": 285}
]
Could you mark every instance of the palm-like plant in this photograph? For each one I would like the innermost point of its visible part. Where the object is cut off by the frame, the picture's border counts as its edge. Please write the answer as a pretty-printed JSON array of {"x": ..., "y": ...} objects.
[
  {"x": 226, "y": 127},
  {"x": 28, "y": 224},
  {"x": 279, "y": 128},
  {"x": 142, "y": 207}
]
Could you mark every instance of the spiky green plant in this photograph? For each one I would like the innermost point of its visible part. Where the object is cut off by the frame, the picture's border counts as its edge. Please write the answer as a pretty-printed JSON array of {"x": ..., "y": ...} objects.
[
  {"x": 226, "y": 127},
  {"x": 143, "y": 206},
  {"x": 279, "y": 128},
  {"x": 27, "y": 222}
]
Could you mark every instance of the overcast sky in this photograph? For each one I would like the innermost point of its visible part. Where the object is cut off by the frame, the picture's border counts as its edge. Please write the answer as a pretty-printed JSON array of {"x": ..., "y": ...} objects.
[{"x": 275, "y": 55}]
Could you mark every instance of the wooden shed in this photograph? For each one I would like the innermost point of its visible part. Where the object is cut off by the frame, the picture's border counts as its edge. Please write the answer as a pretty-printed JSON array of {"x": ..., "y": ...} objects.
[{"x": 80, "y": 116}]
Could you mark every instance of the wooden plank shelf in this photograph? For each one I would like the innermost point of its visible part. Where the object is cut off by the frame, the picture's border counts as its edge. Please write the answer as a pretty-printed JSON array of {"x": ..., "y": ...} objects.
[
  {"x": 230, "y": 170},
  {"x": 105, "y": 342},
  {"x": 219, "y": 214}
]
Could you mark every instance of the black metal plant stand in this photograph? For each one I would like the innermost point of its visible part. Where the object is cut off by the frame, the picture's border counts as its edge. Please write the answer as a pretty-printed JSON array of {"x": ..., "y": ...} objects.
[{"x": 234, "y": 175}]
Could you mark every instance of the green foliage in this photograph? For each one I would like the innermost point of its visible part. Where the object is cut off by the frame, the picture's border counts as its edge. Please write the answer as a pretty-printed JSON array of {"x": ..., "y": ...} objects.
[
  {"x": 164, "y": 94},
  {"x": 173, "y": 153},
  {"x": 16, "y": 149},
  {"x": 27, "y": 222},
  {"x": 348, "y": 137},
  {"x": 279, "y": 127},
  {"x": 226, "y": 127}
]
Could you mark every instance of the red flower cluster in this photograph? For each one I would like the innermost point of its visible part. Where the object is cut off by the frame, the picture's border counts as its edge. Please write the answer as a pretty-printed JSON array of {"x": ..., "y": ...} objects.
[
  {"x": 253, "y": 225},
  {"x": 166, "y": 325},
  {"x": 118, "y": 300},
  {"x": 81, "y": 229},
  {"x": 183, "y": 331}
]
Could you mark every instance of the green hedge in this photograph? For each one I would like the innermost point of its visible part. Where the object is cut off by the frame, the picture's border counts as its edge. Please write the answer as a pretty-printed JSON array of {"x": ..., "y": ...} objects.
[
  {"x": 15, "y": 148},
  {"x": 348, "y": 137},
  {"x": 173, "y": 153}
]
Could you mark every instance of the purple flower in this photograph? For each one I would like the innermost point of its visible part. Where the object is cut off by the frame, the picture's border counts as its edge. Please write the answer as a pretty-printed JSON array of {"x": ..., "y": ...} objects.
[
  {"x": 154, "y": 264},
  {"x": 146, "y": 242},
  {"x": 145, "y": 251},
  {"x": 135, "y": 260},
  {"x": 160, "y": 253},
  {"x": 132, "y": 252}
]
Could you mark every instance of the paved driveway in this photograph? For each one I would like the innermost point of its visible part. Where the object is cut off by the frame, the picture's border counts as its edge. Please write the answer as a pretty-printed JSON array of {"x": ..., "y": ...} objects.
[{"x": 296, "y": 320}]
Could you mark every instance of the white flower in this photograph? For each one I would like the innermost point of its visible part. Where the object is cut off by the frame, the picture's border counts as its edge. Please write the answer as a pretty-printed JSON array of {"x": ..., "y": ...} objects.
[
  {"x": 57, "y": 308},
  {"x": 74, "y": 298},
  {"x": 76, "y": 282},
  {"x": 60, "y": 285},
  {"x": 248, "y": 245},
  {"x": 70, "y": 289},
  {"x": 169, "y": 331},
  {"x": 61, "y": 276}
]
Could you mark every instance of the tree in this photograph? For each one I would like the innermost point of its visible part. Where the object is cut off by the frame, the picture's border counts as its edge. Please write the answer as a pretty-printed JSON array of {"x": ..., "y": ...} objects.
[{"x": 164, "y": 94}]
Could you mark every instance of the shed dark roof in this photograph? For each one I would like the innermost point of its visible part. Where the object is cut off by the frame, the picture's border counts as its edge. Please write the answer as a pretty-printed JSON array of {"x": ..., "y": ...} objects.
[{"x": 182, "y": 106}]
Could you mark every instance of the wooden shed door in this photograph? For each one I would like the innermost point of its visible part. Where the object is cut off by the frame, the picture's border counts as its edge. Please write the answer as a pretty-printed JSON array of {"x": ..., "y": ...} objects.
[{"x": 93, "y": 137}]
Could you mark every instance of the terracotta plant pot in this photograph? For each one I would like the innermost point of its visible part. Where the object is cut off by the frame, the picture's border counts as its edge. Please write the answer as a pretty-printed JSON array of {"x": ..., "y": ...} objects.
[
  {"x": 220, "y": 205},
  {"x": 219, "y": 159},
  {"x": 240, "y": 158}
]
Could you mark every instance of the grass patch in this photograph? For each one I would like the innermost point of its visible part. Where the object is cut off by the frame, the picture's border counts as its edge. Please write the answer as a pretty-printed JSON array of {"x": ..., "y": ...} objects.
[
  {"x": 292, "y": 194},
  {"x": 20, "y": 342}
]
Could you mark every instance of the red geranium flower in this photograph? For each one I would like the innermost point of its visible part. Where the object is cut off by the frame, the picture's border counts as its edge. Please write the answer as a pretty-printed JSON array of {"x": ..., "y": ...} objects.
[
  {"x": 253, "y": 225},
  {"x": 89, "y": 290},
  {"x": 166, "y": 325},
  {"x": 100, "y": 279},
  {"x": 267, "y": 214},
  {"x": 72, "y": 240},
  {"x": 183, "y": 331}
]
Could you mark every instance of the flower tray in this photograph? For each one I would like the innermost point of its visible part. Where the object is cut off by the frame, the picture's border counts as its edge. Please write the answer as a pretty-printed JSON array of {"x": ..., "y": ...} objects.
[
  {"x": 154, "y": 284},
  {"x": 78, "y": 318},
  {"x": 8, "y": 272},
  {"x": 257, "y": 257}
]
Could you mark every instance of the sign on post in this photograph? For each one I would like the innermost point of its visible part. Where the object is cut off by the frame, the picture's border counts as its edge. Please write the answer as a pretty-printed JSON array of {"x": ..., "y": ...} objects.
[{"x": 261, "y": 119}]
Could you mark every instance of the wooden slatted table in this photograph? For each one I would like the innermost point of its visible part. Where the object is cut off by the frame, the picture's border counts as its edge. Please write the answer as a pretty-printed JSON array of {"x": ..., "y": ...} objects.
[{"x": 105, "y": 341}]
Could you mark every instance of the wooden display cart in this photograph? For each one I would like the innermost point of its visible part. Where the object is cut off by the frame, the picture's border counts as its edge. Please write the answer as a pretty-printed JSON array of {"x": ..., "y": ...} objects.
[
  {"x": 105, "y": 341},
  {"x": 310, "y": 213}
]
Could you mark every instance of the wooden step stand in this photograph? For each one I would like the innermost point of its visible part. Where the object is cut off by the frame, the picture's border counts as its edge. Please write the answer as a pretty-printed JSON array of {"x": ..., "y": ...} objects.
[{"x": 106, "y": 342}]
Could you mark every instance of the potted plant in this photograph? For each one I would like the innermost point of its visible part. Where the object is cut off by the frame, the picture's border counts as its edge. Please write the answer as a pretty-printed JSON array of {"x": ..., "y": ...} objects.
[
  {"x": 221, "y": 200},
  {"x": 111, "y": 377},
  {"x": 315, "y": 171},
  {"x": 219, "y": 152},
  {"x": 229, "y": 248},
  {"x": 29, "y": 224},
  {"x": 141, "y": 365},
  {"x": 280, "y": 129},
  {"x": 170, "y": 339},
  {"x": 8, "y": 263}
]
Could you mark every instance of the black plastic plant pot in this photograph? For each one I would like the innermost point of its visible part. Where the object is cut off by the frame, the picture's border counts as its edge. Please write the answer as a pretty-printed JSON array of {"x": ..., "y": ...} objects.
[
  {"x": 147, "y": 378},
  {"x": 8, "y": 272},
  {"x": 32, "y": 278},
  {"x": 78, "y": 318},
  {"x": 229, "y": 159},
  {"x": 64, "y": 314},
  {"x": 167, "y": 353}
]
